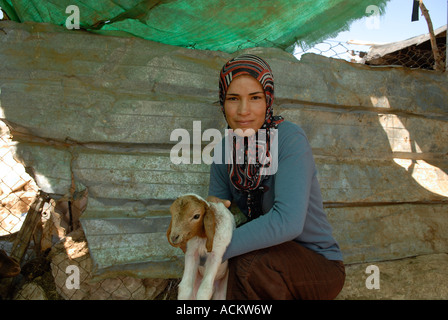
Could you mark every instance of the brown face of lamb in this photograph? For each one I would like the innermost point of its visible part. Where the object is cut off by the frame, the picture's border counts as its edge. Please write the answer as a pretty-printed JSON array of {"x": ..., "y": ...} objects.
[{"x": 190, "y": 217}]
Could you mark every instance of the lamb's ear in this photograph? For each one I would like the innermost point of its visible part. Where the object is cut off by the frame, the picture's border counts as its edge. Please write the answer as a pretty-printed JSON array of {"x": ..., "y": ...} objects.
[{"x": 209, "y": 226}]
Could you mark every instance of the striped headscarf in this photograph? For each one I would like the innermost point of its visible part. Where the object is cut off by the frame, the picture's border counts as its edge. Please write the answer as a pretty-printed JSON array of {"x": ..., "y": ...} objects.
[{"x": 247, "y": 177}]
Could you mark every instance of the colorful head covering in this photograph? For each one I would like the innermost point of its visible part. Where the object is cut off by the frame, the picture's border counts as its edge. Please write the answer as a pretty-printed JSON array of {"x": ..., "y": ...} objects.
[{"x": 247, "y": 177}]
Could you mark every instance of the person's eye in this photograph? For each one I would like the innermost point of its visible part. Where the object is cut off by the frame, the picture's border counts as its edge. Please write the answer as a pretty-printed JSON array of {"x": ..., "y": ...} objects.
[{"x": 231, "y": 98}]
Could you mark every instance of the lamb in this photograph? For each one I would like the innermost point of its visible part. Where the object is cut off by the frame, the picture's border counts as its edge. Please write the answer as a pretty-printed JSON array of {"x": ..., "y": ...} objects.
[{"x": 203, "y": 231}]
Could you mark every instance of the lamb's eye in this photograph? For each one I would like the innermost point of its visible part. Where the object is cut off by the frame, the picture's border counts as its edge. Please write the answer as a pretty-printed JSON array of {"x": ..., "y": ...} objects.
[{"x": 196, "y": 216}]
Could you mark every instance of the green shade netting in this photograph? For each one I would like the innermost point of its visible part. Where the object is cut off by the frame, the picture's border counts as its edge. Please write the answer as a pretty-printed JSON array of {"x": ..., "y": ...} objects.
[{"x": 226, "y": 25}]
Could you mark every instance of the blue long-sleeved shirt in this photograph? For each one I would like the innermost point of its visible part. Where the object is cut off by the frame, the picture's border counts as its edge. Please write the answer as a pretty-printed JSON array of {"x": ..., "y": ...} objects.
[{"x": 292, "y": 204}]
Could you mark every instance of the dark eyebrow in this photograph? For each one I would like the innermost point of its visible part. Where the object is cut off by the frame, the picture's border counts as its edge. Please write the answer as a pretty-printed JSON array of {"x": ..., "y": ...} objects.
[{"x": 251, "y": 94}]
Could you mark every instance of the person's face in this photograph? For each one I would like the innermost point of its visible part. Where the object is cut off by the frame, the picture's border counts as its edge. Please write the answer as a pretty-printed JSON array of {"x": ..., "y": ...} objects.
[{"x": 245, "y": 104}]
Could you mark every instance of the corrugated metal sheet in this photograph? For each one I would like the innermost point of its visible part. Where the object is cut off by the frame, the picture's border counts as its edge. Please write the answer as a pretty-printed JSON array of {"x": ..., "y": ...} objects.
[{"x": 98, "y": 112}]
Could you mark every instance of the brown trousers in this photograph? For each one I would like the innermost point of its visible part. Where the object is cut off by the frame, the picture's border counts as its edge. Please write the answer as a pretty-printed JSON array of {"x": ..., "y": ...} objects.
[{"x": 284, "y": 272}]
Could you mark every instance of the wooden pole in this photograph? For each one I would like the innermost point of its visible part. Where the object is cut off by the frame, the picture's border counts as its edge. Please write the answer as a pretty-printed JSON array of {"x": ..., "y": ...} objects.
[
  {"x": 438, "y": 65},
  {"x": 29, "y": 225}
]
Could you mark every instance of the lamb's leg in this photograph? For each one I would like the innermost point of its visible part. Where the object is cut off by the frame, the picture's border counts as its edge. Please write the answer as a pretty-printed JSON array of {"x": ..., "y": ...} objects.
[
  {"x": 205, "y": 291},
  {"x": 189, "y": 276},
  {"x": 221, "y": 285},
  {"x": 197, "y": 283}
]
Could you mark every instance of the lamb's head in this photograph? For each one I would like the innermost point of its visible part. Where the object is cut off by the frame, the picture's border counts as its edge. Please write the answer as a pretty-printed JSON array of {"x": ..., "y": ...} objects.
[{"x": 191, "y": 216}]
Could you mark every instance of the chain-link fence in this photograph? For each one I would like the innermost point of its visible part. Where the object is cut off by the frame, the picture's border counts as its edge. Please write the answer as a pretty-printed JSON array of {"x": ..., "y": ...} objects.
[
  {"x": 18, "y": 194},
  {"x": 414, "y": 56},
  {"x": 330, "y": 49},
  {"x": 17, "y": 188},
  {"x": 71, "y": 267}
]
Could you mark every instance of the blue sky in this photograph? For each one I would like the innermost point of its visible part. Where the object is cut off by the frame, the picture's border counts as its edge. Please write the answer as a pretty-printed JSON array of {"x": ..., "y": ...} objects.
[{"x": 395, "y": 24}]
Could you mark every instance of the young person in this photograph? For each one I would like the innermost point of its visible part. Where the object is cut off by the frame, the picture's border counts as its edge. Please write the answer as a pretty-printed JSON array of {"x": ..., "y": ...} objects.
[{"x": 286, "y": 249}]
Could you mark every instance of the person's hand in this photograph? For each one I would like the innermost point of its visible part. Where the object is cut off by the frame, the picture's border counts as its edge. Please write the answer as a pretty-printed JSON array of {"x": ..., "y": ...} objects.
[{"x": 217, "y": 200}]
